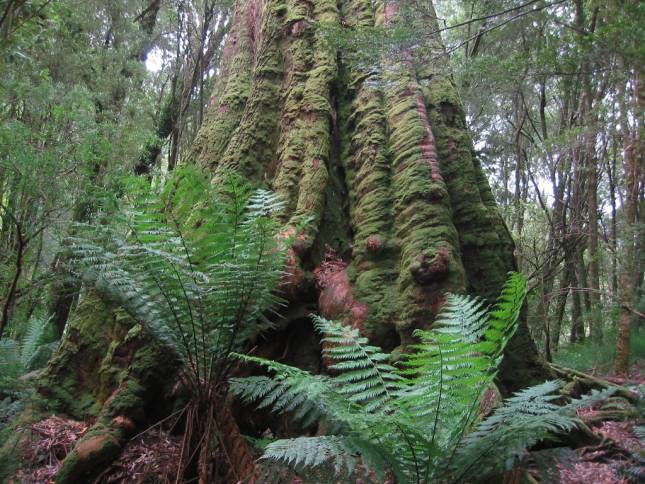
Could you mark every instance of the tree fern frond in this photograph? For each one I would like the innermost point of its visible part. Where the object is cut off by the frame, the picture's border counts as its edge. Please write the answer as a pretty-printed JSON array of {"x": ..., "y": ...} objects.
[
  {"x": 528, "y": 417},
  {"x": 337, "y": 453},
  {"x": 312, "y": 452},
  {"x": 10, "y": 363},
  {"x": 365, "y": 377},
  {"x": 198, "y": 290},
  {"x": 308, "y": 397},
  {"x": 456, "y": 360},
  {"x": 34, "y": 336},
  {"x": 463, "y": 315},
  {"x": 414, "y": 418},
  {"x": 505, "y": 312}
]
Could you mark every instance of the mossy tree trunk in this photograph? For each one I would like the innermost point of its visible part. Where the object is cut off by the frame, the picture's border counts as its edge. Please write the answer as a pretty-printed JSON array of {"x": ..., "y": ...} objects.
[{"x": 376, "y": 166}]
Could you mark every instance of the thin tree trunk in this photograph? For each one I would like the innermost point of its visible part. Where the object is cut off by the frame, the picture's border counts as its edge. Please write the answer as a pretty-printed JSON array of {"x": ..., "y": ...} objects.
[
  {"x": 627, "y": 275},
  {"x": 560, "y": 309},
  {"x": 613, "y": 243}
]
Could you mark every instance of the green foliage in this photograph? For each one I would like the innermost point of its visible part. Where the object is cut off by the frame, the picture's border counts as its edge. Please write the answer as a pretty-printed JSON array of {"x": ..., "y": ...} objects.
[
  {"x": 600, "y": 356},
  {"x": 365, "y": 377},
  {"x": 458, "y": 360},
  {"x": 75, "y": 108},
  {"x": 20, "y": 356},
  {"x": 530, "y": 416},
  {"x": 413, "y": 421},
  {"x": 200, "y": 283}
]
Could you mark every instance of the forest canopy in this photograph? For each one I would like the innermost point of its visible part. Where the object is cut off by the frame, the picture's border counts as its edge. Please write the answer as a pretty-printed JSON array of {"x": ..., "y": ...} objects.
[{"x": 316, "y": 240}]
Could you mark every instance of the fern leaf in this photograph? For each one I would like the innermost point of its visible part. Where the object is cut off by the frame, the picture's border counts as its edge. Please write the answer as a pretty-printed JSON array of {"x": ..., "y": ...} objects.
[
  {"x": 365, "y": 377},
  {"x": 528, "y": 417},
  {"x": 308, "y": 397},
  {"x": 338, "y": 453},
  {"x": 34, "y": 336}
]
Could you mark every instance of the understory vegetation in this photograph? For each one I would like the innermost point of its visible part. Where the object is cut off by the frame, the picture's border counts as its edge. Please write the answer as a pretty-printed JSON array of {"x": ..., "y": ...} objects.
[
  {"x": 599, "y": 358},
  {"x": 200, "y": 279},
  {"x": 420, "y": 421}
]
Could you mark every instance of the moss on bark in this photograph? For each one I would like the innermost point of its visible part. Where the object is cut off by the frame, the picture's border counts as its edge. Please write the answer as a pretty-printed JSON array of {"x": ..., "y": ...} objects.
[
  {"x": 366, "y": 162},
  {"x": 231, "y": 93},
  {"x": 252, "y": 145},
  {"x": 376, "y": 164},
  {"x": 430, "y": 256},
  {"x": 108, "y": 370}
]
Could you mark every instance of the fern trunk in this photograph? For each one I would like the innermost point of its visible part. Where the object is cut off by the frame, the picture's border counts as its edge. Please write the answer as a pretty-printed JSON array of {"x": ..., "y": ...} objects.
[{"x": 376, "y": 165}]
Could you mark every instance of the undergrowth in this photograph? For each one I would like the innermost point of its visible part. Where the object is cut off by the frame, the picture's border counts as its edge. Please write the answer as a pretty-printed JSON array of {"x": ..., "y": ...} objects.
[
  {"x": 198, "y": 266},
  {"x": 27, "y": 348},
  {"x": 416, "y": 422},
  {"x": 600, "y": 357}
]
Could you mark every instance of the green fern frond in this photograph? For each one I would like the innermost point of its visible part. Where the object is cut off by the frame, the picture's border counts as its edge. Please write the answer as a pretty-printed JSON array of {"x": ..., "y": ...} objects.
[
  {"x": 364, "y": 376},
  {"x": 456, "y": 360},
  {"x": 409, "y": 420},
  {"x": 10, "y": 363},
  {"x": 503, "y": 316},
  {"x": 18, "y": 357},
  {"x": 463, "y": 315},
  {"x": 500, "y": 441},
  {"x": 198, "y": 278},
  {"x": 35, "y": 334},
  {"x": 338, "y": 453},
  {"x": 308, "y": 398},
  {"x": 312, "y": 452}
]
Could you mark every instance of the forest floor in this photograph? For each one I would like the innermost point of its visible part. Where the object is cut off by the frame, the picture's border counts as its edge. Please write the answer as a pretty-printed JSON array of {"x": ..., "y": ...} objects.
[
  {"x": 610, "y": 453},
  {"x": 618, "y": 458}
]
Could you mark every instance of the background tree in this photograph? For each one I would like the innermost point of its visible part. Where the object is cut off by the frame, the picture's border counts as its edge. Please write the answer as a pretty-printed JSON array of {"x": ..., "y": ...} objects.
[{"x": 551, "y": 137}]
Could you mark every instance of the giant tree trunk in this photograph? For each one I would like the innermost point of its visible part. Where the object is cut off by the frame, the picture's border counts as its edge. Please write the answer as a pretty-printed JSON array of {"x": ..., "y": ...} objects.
[{"x": 375, "y": 164}]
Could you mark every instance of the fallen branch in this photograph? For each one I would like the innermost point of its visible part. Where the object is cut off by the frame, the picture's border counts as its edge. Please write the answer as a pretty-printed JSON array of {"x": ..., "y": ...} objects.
[{"x": 592, "y": 382}]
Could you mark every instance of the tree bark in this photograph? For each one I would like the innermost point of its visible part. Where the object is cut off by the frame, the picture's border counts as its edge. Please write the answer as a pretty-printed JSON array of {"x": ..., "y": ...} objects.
[
  {"x": 632, "y": 162},
  {"x": 375, "y": 164}
]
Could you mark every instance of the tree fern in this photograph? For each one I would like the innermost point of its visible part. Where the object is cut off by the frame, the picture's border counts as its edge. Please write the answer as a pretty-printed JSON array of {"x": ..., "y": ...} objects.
[
  {"x": 200, "y": 283},
  {"x": 351, "y": 405},
  {"x": 413, "y": 420},
  {"x": 35, "y": 336},
  {"x": 199, "y": 267}
]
